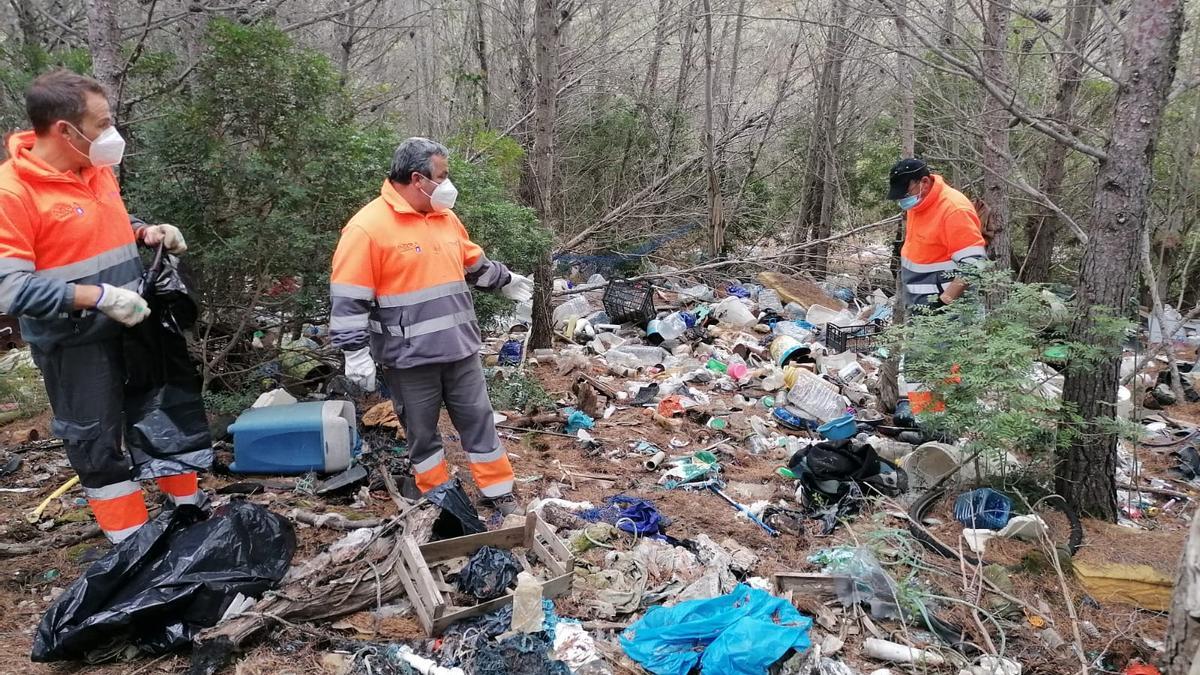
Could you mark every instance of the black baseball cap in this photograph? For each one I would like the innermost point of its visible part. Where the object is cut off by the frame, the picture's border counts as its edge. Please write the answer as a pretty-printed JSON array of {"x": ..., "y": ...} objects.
[{"x": 904, "y": 172}]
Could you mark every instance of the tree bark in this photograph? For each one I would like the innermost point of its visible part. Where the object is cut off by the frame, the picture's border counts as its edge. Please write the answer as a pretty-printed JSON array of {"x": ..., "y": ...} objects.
[
  {"x": 1183, "y": 626},
  {"x": 1086, "y": 463},
  {"x": 104, "y": 43},
  {"x": 481, "y": 54},
  {"x": 997, "y": 162},
  {"x": 716, "y": 216},
  {"x": 681, "y": 85},
  {"x": 889, "y": 374},
  {"x": 946, "y": 30},
  {"x": 546, "y": 57},
  {"x": 1041, "y": 229}
]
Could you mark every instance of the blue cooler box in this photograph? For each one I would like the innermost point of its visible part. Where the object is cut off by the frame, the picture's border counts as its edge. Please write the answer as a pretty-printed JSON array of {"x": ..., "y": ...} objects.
[{"x": 317, "y": 436}]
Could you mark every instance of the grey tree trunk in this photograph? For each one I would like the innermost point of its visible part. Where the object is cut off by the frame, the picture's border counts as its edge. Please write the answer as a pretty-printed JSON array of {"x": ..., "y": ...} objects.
[
  {"x": 1085, "y": 471},
  {"x": 889, "y": 375},
  {"x": 104, "y": 43},
  {"x": 546, "y": 59},
  {"x": 716, "y": 215},
  {"x": 481, "y": 54},
  {"x": 1183, "y": 626},
  {"x": 1041, "y": 229},
  {"x": 681, "y": 84},
  {"x": 997, "y": 162}
]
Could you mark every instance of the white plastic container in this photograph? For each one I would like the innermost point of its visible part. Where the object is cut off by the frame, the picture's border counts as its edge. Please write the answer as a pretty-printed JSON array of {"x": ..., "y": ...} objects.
[
  {"x": 576, "y": 306},
  {"x": 672, "y": 326},
  {"x": 733, "y": 312}
]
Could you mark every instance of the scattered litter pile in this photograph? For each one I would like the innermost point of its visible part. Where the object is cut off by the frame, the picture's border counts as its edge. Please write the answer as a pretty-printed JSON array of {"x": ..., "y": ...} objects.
[{"x": 711, "y": 486}]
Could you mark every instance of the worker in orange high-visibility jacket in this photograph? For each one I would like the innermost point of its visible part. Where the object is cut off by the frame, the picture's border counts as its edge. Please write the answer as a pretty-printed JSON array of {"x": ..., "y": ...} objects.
[
  {"x": 401, "y": 295},
  {"x": 69, "y": 268},
  {"x": 942, "y": 233}
]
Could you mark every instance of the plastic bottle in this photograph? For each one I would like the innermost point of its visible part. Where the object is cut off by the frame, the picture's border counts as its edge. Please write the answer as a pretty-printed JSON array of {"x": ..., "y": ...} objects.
[
  {"x": 672, "y": 326},
  {"x": 768, "y": 298},
  {"x": 794, "y": 311},
  {"x": 641, "y": 355},
  {"x": 576, "y": 306}
]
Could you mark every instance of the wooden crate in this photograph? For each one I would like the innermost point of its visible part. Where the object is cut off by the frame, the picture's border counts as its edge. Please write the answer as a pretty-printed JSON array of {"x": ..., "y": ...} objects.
[{"x": 432, "y": 607}]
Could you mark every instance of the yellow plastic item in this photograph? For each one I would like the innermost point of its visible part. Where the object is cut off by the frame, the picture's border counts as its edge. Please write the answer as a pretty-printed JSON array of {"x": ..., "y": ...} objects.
[
  {"x": 1139, "y": 585},
  {"x": 36, "y": 514}
]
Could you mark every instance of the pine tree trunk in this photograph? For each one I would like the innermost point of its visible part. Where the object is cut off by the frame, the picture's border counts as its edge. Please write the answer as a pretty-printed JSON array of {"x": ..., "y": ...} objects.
[
  {"x": 546, "y": 41},
  {"x": 1041, "y": 229},
  {"x": 1085, "y": 473},
  {"x": 104, "y": 43}
]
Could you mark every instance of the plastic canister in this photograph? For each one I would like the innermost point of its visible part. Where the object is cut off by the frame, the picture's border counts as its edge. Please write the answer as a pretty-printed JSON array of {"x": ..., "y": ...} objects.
[
  {"x": 786, "y": 349},
  {"x": 313, "y": 436}
]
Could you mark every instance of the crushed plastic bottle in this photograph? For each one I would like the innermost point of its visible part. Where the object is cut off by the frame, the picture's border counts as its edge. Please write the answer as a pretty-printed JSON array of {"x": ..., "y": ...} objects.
[
  {"x": 768, "y": 298},
  {"x": 576, "y": 306},
  {"x": 671, "y": 327}
]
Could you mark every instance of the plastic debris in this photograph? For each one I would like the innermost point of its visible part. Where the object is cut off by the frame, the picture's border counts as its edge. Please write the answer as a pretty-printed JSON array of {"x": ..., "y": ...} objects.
[
  {"x": 576, "y": 420},
  {"x": 629, "y": 514},
  {"x": 488, "y": 574},
  {"x": 172, "y": 578},
  {"x": 983, "y": 508},
  {"x": 743, "y": 632},
  {"x": 897, "y": 653},
  {"x": 527, "y": 616}
]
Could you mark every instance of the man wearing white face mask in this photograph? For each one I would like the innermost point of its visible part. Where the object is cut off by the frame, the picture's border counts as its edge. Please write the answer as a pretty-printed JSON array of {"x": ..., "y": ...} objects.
[
  {"x": 401, "y": 295},
  {"x": 68, "y": 269}
]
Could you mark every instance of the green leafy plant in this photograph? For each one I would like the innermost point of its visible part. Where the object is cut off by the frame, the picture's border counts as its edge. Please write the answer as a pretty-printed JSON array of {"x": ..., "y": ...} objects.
[{"x": 988, "y": 365}]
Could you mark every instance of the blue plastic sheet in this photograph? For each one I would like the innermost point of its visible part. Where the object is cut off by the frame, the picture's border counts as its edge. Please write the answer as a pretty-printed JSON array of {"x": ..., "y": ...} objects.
[
  {"x": 629, "y": 514},
  {"x": 576, "y": 420},
  {"x": 741, "y": 633}
]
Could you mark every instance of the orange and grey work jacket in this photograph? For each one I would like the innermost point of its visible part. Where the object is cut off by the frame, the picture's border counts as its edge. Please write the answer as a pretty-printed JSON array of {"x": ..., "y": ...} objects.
[
  {"x": 942, "y": 232},
  {"x": 401, "y": 282},
  {"x": 57, "y": 230}
]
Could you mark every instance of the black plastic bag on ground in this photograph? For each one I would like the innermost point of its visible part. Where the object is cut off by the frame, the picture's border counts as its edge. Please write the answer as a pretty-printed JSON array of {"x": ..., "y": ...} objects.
[
  {"x": 174, "y": 577},
  {"x": 165, "y": 424},
  {"x": 458, "y": 516},
  {"x": 488, "y": 574}
]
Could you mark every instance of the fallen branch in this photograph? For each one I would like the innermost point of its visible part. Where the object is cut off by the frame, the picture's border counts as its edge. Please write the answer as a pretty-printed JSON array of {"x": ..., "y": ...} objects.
[
  {"x": 62, "y": 540},
  {"x": 530, "y": 420},
  {"x": 334, "y": 521},
  {"x": 1153, "y": 490}
]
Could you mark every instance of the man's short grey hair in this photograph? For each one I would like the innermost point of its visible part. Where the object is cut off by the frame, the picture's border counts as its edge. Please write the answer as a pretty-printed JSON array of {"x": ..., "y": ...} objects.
[{"x": 415, "y": 154}]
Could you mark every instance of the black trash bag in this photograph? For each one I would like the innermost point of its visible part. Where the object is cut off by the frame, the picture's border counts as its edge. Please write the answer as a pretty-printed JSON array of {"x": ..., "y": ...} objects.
[
  {"x": 488, "y": 574},
  {"x": 174, "y": 577},
  {"x": 165, "y": 418},
  {"x": 458, "y": 516},
  {"x": 829, "y": 468}
]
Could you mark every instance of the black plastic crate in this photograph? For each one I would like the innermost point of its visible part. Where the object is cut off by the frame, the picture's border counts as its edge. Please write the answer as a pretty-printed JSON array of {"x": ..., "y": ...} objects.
[
  {"x": 857, "y": 338},
  {"x": 629, "y": 301}
]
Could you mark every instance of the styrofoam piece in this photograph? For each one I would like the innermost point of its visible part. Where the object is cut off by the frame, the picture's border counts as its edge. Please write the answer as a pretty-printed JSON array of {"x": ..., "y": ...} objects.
[
  {"x": 1124, "y": 403},
  {"x": 1025, "y": 528},
  {"x": 274, "y": 397},
  {"x": 977, "y": 539}
]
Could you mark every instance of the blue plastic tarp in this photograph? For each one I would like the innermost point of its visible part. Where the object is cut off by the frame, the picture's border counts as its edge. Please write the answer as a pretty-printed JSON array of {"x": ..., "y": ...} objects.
[{"x": 742, "y": 633}]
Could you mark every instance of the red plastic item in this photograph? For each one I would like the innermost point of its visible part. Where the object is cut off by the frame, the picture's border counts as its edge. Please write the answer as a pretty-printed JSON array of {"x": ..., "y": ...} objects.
[
  {"x": 670, "y": 407},
  {"x": 1140, "y": 669}
]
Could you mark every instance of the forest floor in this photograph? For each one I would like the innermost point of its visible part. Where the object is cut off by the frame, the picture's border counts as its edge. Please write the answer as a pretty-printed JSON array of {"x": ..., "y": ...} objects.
[{"x": 545, "y": 463}]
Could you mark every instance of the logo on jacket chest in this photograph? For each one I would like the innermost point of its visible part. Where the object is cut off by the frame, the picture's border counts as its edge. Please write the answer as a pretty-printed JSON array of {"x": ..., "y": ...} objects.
[
  {"x": 417, "y": 247},
  {"x": 63, "y": 211}
]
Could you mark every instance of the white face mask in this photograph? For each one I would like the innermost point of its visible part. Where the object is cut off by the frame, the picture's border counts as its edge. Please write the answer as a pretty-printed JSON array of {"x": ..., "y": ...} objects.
[
  {"x": 107, "y": 149},
  {"x": 443, "y": 196}
]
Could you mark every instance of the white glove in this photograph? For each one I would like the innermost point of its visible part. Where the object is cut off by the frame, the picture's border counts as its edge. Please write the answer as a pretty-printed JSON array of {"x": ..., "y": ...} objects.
[
  {"x": 167, "y": 235},
  {"x": 122, "y": 305},
  {"x": 360, "y": 368},
  {"x": 519, "y": 288}
]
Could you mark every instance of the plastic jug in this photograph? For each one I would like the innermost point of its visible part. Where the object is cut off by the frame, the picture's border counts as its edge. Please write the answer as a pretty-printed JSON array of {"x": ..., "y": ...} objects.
[{"x": 315, "y": 436}]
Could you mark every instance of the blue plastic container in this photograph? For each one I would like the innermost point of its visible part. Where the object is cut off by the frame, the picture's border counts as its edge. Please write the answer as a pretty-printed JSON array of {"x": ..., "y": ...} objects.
[
  {"x": 791, "y": 419},
  {"x": 983, "y": 508},
  {"x": 839, "y": 429},
  {"x": 319, "y": 436}
]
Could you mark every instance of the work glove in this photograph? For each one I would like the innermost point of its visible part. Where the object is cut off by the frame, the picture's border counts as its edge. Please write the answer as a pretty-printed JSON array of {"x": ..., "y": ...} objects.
[
  {"x": 167, "y": 235},
  {"x": 122, "y": 305},
  {"x": 519, "y": 289},
  {"x": 360, "y": 368}
]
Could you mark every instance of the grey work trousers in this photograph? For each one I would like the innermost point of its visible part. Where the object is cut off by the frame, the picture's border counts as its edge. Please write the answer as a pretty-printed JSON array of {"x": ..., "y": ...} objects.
[{"x": 418, "y": 394}]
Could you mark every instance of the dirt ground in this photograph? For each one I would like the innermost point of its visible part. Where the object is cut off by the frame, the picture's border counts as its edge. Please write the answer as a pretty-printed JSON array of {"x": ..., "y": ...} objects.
[{"x": 544, "y": 462}]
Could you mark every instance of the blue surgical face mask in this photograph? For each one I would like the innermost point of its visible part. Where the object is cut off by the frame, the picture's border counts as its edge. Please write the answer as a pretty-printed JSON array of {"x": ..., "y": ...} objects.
[{"x": 906, "y": 203}]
